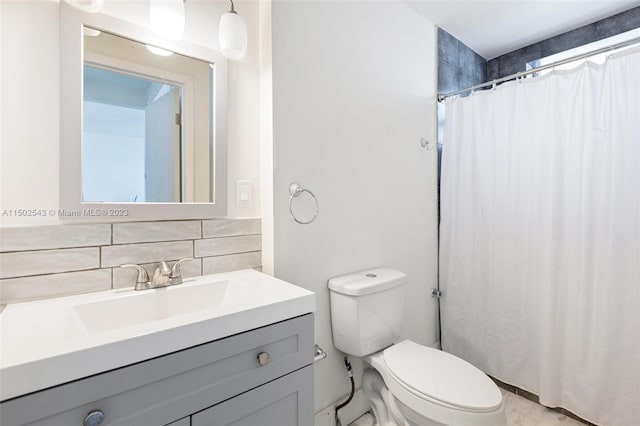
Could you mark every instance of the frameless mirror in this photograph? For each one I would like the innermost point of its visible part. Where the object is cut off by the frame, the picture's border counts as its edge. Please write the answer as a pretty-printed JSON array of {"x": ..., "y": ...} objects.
[
  {"x": 138, "y": 125},
  {"x": 143, "y": 121}
]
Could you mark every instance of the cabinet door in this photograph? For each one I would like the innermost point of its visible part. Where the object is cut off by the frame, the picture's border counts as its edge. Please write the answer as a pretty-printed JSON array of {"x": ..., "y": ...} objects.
[{"x": 287, "y": 401}]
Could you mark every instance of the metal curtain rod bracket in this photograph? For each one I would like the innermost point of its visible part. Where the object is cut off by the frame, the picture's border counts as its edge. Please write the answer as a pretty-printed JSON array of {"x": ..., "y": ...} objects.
[{"x": 442, "y": 97}]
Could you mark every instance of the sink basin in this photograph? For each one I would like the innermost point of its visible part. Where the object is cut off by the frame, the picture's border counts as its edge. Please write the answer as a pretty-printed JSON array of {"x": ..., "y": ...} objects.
[
  {"x": 159, "y": 304},
  {"x": 49, "y": 342}
]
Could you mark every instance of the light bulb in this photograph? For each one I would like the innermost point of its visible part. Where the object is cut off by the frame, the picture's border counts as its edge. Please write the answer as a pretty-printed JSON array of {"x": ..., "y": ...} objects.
[
  {"x": 232, "y": 34},
  {"x": 91, "y": 6},
  {"x": 166, "y": 18},
  {"x": 158, "y": 51},
  {"x": 90, "y": 32}
]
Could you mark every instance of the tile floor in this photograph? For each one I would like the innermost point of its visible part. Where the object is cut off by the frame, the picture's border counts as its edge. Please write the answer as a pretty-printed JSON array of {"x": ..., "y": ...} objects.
[{"x": 520, "y": 412}]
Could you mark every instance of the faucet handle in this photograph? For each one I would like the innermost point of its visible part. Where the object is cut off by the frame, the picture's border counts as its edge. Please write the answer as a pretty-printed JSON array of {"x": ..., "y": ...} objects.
[
  {"x": 142, "y": 281},
  {"x": 175, "y": 275}
]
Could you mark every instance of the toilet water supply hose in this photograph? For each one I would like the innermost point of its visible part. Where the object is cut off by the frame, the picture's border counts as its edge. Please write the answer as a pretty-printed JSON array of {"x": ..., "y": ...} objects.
[{"x": 347, "y": 364}]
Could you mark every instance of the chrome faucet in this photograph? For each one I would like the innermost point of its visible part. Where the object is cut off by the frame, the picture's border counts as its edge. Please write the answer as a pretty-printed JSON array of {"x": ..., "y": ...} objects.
[{"x": 163, "y": 276}]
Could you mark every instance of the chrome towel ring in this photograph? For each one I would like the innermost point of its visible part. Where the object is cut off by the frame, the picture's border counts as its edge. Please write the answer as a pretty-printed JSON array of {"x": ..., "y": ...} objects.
[{"x": 295, "y": 189}]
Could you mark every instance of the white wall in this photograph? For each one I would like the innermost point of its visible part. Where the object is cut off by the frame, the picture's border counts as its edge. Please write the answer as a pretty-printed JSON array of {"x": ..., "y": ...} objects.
[
  {"x": 30, "y": 85},
  {"x": 354, "y": 91},
  {"x": 266, "y": 136},
  {"x": 29, "y": 107}
]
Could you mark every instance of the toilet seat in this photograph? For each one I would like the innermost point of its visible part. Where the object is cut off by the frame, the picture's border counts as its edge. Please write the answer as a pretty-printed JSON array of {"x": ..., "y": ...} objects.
[{"x": 439, "y": 378}]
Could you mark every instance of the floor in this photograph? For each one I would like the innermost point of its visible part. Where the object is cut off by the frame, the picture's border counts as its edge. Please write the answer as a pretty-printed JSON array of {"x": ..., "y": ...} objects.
[{"x": 520, "y": 412}]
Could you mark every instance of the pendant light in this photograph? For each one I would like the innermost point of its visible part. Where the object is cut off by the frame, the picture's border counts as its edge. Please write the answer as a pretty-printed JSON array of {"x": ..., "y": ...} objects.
[
  {"x": 158, "y": 51},
  {"x": 166, "y": 18},
  {"x": 90, "y": 32},
  {"x": 232, "y": 34},
  {"x": 92, "y": 6}
]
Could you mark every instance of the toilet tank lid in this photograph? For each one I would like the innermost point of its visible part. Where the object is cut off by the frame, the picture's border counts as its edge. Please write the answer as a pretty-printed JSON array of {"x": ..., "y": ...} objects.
[{"x": 367, "y": 282}]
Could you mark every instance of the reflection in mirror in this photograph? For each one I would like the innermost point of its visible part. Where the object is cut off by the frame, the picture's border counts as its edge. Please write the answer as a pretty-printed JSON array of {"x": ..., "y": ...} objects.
[
  {"x": 147, "y": 124},
  {"x": 131, "y": 141}
]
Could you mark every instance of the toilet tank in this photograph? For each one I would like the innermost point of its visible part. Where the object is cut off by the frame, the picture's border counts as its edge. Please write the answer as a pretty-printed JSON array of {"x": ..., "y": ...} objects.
[{"x": 366, "y": 310}]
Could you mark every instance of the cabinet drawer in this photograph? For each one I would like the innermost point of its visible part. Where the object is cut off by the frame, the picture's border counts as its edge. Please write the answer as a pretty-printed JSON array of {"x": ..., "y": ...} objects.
[
  {"x": 165, "y": 389},
  {"x": 182, "y": 422},
  {"x": 287, "y": 401}
]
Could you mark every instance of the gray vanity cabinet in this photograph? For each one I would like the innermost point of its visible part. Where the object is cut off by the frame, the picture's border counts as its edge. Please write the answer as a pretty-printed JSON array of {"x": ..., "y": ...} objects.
[
  {"x": 182, "y": 422},
  {"x": 286, "y": 401},
  {"x": 260, "y": 377}
]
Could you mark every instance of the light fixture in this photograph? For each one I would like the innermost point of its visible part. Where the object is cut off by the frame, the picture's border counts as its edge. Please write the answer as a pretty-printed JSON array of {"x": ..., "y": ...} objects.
[
  {"x": 232, "y": 34},
  {"x": 158, "y": 51},
  {"x": 166, "y": 18},
  {"x": 92, "y": 6},
  {"x": 90, "y": 32}
]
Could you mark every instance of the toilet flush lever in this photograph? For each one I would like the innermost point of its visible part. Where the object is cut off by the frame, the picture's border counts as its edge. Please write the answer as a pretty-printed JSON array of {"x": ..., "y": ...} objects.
[{"x": 435, "y": 293}]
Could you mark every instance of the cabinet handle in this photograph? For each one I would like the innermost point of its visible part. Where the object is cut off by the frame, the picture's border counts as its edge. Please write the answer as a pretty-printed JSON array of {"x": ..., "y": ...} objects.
[
  {"x": 264, "y": 358},
  {"x": 94, "y": 418}
]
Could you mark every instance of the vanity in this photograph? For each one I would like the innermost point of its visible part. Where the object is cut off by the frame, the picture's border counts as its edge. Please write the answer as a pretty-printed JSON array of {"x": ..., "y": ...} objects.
[{"x": 234, "y": 348}]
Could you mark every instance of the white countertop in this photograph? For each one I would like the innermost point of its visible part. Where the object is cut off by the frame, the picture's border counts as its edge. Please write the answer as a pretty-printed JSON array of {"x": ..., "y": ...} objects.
[{"x": 51, "y": 342}]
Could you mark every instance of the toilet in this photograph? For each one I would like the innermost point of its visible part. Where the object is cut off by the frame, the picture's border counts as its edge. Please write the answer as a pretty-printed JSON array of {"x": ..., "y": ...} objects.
[{"x": 406, "y": 383}]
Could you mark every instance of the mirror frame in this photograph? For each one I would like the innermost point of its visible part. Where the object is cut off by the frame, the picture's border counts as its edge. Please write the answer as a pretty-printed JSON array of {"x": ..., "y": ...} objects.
[{"x": 72, "y": 22}]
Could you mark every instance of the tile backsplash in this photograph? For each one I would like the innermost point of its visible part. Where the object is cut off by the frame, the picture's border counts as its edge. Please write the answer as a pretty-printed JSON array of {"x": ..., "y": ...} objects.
[{"x": 39, "y": 262}]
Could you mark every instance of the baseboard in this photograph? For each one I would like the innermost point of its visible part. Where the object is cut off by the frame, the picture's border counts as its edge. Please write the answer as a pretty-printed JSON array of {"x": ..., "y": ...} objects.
[{"x": 356, "y": 408}]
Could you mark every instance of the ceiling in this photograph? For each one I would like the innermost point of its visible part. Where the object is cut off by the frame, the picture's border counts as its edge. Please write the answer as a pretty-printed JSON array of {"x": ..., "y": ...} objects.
[{"x": 493, "y": 28}]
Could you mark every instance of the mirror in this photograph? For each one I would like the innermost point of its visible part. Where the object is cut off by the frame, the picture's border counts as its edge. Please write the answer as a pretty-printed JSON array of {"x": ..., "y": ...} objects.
[
  {"x": 144, "y": 108},
  {"x": 143, "y": 121}
]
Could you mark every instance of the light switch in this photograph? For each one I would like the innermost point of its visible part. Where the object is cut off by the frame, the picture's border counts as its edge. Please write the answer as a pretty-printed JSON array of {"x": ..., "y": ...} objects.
[{"x": 243, "y": 193}]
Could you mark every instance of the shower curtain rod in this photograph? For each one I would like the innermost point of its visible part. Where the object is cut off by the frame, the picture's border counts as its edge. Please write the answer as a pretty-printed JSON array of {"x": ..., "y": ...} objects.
[{"x": 442, "y": 97}]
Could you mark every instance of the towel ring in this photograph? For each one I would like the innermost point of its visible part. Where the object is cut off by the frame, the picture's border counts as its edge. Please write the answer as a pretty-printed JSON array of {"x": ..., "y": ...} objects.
[{"x": 295, "y": 190}]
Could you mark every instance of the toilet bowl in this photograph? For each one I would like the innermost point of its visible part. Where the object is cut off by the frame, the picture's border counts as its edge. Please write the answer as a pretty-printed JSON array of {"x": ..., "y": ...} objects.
[
  {"x": 432, "y": 387},
  {"x": 407, "y": 383}
]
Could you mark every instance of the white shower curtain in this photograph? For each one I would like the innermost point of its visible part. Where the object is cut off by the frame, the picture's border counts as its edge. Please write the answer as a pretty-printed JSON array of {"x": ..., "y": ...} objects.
[{"x": 540, "y": 237}]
